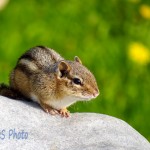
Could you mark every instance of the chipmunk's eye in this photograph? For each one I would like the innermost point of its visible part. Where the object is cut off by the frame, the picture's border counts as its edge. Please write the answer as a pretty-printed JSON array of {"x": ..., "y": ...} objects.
[{"x": 77, "y": 81}]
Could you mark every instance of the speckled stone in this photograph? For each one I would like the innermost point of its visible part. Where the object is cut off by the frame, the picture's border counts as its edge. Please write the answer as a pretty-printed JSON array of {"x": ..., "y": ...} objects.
[{"x": 25, "y": 126}]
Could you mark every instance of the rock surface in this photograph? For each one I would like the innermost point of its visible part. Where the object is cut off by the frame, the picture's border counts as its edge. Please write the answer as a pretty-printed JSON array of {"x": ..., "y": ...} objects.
[{"x": 25, "y": 126}]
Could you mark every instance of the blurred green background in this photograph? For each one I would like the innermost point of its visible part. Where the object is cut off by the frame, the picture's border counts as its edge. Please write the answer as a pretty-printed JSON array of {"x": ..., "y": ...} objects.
[{"x": 111, "y": 38}]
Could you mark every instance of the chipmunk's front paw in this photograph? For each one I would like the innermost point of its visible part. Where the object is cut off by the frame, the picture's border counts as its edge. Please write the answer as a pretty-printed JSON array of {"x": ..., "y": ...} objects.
[{"x": 64, "y": 113}]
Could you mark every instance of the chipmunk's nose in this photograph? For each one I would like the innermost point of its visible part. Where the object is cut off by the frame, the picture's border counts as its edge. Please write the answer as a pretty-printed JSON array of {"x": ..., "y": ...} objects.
[{"x": 96, "y": 93}]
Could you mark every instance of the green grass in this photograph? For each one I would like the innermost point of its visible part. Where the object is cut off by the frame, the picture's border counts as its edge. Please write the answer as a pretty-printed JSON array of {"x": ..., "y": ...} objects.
[{"x": 99, "y": 32}]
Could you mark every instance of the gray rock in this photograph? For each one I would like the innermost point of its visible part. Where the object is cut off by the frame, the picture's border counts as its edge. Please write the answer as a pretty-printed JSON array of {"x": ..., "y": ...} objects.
[{"x": 25, "y": 126}]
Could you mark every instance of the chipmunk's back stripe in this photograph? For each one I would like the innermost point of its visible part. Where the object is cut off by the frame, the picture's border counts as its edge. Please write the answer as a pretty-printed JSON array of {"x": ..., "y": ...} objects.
[
  {"x": 27, "y": 56},
  {"x": 29, "y": 64},
  {"x": 28, "y": 67},
  {"x": 24, "y": 69}
]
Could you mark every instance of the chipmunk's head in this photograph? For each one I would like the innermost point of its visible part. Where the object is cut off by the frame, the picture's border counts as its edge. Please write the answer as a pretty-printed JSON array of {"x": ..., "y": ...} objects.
[{"x": 76, "y": 81}]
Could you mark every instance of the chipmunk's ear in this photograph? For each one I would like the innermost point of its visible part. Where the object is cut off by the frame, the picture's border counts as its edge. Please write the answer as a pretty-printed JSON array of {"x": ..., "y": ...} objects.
[
  {"x": 63, "y": 68},
  {"x": 77, "y": 59}
]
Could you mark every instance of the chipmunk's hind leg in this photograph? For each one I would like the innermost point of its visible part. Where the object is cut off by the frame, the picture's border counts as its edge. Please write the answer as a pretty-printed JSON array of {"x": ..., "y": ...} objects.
[{"x": 49, "y": 109}]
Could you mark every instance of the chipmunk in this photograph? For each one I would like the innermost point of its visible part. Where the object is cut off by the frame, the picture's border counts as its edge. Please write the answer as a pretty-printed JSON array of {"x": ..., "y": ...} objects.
[{"x": 45, "y": 77}]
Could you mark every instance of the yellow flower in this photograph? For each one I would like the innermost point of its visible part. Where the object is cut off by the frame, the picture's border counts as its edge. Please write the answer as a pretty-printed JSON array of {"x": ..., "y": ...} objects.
[
  {"x": 145, "y": 11},
  {"x": 3, "y": 3},
  {"x": 139, "y": 53}
]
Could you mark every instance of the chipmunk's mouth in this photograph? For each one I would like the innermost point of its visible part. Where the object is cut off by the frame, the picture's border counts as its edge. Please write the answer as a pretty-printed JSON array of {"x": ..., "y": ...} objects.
[{"x": 88, "y": 97}]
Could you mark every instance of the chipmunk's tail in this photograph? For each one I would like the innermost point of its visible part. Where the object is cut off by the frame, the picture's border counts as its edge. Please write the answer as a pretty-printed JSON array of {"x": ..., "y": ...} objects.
[{"x": 7, "y": 91}]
